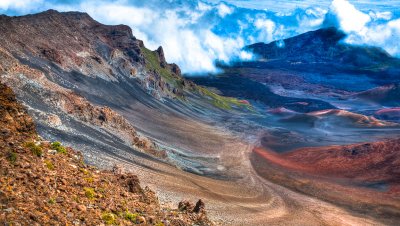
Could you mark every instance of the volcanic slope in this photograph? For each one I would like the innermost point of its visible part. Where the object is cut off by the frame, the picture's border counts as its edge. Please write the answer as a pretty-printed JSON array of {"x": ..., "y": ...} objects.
[
  {"x": 58, "y": 187},
  {"x": 98, "y": 89}
]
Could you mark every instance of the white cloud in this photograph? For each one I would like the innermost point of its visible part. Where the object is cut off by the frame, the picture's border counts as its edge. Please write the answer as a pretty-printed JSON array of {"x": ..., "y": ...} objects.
[
  {"x": 224, "y": 10},
  {"x": 267, "y": 28},
  {"x": 21, "y": 5},
  {"x": 385, "y": 35},
  {"x": 349, "y": 18},
  {"x": 380, "y": 15},
  {"x": 366, "y": 29}
]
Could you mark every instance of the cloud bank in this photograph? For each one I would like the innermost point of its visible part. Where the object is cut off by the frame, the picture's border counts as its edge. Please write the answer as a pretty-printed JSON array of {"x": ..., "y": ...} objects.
[
  {"x": 195, "y": 34},
  {"x": 380, "y": 29}
]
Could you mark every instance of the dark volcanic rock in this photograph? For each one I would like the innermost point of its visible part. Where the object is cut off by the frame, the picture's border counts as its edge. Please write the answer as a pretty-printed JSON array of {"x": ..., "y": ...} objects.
[{"x": 161, "y": 57}]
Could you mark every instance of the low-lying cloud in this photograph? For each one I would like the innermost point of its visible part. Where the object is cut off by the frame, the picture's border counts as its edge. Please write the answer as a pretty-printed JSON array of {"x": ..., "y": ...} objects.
[
  {"x": 195, "y": 34},
  {"x": 380, "y": 29}
]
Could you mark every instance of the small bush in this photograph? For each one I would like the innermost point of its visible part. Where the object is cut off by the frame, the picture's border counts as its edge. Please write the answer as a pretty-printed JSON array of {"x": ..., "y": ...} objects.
[
  {"x": 109, "y": 218},
  {"x": 84, "y": 171},
  {"x": 12, "y": 157},
  {"x": 89, "y": 193},
  {"x": 49, "y": 165},
  {"x": 52, "y": 201},
  {"x": 58, "y": 147},
  {"x": 35, "y": 149},
  {"x": 131, "y": 216},
  {"x": 89, "y": 179}
]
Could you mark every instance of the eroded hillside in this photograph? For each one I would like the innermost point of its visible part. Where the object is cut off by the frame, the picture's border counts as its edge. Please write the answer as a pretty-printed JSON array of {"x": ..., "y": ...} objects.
[{"x": 47, "y": 184}]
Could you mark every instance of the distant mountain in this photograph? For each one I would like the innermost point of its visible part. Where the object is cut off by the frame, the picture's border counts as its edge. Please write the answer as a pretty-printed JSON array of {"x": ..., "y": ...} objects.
[{"x": 324, "y": 49}]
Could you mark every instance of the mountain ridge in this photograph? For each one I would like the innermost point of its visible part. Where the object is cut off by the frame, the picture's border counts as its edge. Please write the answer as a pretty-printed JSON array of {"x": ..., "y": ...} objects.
[{"x": 325, "y": 49}]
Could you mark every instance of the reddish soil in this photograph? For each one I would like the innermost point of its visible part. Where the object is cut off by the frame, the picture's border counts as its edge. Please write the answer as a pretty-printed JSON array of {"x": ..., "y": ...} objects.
[
  {"x": 366, "y": 162},
  {"x": 340, "y": 174}
]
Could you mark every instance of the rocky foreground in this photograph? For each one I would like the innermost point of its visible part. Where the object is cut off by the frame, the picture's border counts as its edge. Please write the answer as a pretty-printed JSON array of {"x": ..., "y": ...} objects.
[{"x": 44, "y": 183}]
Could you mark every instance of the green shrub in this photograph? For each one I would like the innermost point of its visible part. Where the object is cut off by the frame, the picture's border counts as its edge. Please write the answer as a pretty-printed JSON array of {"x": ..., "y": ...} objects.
[
  {"x": 89, "y": 179},
  {"x": 109, "y": 218},
  {"x": 58, "y": 147},
  {"x": 52, "y": 201},
  {"x": 49, "y": 165},
  {"x": 131, "y": 216},
  {"x": 35, "y": 149},
  {"x": 84, "y": 171},
  {"x": 89, "y": 193},
  {"x": 12, "y": 157}
]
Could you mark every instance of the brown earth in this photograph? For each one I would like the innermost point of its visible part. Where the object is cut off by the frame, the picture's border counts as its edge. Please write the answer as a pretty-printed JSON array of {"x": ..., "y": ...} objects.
[{"x": 343, "y": 175}]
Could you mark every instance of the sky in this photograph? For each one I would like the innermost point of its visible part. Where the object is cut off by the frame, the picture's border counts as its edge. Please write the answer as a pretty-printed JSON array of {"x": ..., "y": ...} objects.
[
  {"x": 289, "y": 5},
  {"x": 196, "y": 34}
]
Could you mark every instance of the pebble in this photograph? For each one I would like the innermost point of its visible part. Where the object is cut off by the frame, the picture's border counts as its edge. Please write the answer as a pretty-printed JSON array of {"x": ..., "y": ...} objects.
[
  {"x": 70, "y": 215},
  {"x": 9, "y": 210},
  {"x": 81, "y": 208},
  {"x": 59, "y": 199},
  {"x": 73, "y": 166},
  {"x": 141, "y": 220}
]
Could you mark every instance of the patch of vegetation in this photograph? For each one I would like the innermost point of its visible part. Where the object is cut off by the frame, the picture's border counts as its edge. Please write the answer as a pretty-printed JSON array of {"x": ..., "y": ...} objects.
[
  {"x": 49, "y": 164},
  {"x": 109, "y": 218},
  {"x": 58, "y": 147},
  {"x": 12, "y": 157},
  {"x": 84, "y": 171},
  {"x": 131, "y": 216},
  {"x": 52, "y": 201},
  {"x": 89, "y": 179},
  {"x": 89, "y": 193},
  {"x": 153, "y": 64},
  {"x": 159, "y": 224},
  {"x": 223, "y": 102},
  {"x": 35, "y": 149}
]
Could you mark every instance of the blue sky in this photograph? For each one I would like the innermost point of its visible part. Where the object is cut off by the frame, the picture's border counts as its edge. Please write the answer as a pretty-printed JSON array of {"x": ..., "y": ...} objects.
[
  {"x": 288, "y": 5},
  {"x": 196, "y": 33}
]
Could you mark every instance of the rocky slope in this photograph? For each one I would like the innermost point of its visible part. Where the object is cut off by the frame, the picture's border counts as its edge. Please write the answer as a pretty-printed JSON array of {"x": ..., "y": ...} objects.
[
  {"x": 90, "y": 85},
  {"x": 44, "y": 183}
]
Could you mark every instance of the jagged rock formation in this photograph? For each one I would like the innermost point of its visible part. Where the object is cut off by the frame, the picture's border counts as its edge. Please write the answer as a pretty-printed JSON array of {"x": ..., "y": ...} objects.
[
  {"x": 75, "y": 42},
  {"x": 43, "y": 183}
]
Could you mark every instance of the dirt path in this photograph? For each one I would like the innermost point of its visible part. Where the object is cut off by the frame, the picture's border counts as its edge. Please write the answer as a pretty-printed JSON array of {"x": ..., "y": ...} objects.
[{"x": 245, "y": 200}]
